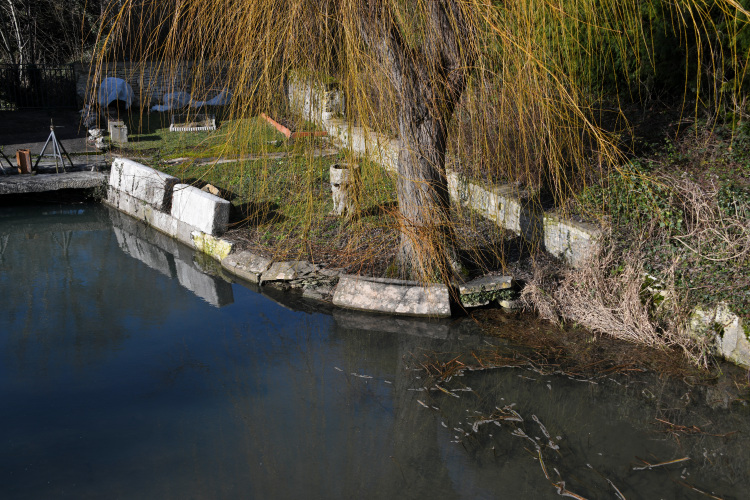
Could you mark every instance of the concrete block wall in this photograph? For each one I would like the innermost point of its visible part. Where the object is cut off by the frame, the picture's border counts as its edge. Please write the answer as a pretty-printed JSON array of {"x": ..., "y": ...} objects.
[
  {"x": 316, "y": 102},
  {"x": 572, "y": 241},
  {"x": 506, "y": 205},
  {"x": 142, "y": 182}
]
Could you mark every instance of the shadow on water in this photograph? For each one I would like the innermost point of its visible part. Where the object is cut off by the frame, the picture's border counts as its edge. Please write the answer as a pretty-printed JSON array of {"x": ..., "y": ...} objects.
[{"x": 132, "y": 365}]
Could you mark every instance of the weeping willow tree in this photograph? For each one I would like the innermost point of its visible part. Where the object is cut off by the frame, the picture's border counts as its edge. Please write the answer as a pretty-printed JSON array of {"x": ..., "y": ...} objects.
[{"x": 499, "y": 89}]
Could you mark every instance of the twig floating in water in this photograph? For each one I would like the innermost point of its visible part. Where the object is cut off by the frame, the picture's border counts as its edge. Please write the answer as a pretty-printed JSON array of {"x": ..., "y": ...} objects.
[{"x": 661, "y": 464}]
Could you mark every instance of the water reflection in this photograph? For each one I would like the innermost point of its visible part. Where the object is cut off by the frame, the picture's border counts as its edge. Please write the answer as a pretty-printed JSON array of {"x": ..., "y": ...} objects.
[
  {"x": 118, "y": 381},
  {"x": 165, "y": 255}
]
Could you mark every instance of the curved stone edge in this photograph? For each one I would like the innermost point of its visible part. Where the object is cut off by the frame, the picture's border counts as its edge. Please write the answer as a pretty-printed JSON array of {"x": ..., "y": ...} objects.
[
  {"x": 355, "y": 292},
  {"x": 146, "y": 194}
]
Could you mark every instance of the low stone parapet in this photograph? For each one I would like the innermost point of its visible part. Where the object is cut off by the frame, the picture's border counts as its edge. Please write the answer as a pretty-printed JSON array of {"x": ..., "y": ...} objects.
[
  {"x": 725, "y": 332},
  {"x": 513, "y": 209},
  {"x": 194, "y": 218},
  {"x": 572, "y": 241},
  {"x": 200, "y": 209},
  {"x": 142, "y": 182}
]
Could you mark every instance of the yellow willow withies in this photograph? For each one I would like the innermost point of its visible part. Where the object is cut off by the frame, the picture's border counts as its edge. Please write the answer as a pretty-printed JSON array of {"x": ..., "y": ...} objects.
[{"x": 509, "y": 86}]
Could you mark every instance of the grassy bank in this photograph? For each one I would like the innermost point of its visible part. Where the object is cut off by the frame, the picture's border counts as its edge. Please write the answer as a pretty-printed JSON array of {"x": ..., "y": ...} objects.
[
  {"x": 677, "y": 238},
  {"x": 676, "y": 221}
]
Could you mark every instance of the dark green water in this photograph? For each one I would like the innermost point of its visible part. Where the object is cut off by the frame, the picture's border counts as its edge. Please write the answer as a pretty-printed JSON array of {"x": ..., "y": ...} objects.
[{"x": 128, "y": 371}]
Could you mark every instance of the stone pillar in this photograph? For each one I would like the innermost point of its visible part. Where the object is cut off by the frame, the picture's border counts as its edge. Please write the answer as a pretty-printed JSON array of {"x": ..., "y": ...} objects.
[
  {"x": 119, "y": 134},
  {"x": 345, "y": 182}
]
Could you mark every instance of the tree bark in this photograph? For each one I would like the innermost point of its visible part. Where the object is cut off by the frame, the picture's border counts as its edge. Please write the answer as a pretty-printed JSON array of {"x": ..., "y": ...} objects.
[{"x": 429, "y": 79}]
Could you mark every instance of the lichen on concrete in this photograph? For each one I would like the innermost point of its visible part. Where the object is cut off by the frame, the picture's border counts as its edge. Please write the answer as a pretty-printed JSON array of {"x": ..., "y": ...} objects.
[
  {"x": 211, "y": 245},
  {"x": 482, "y": 291}
]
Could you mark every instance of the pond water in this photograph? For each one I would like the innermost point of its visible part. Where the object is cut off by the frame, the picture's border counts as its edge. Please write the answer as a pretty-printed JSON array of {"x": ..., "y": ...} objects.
[{"x": 130, "y": 369}]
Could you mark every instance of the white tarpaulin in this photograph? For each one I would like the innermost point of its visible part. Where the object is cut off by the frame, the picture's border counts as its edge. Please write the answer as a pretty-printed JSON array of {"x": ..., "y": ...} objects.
[
  {"x": 114, "y": 89},
  {"x": 220, "y": 100},
  {"x": 177, "y": 100}
]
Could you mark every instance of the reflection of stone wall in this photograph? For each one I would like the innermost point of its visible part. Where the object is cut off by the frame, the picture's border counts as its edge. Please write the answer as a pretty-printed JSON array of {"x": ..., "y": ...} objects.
[
  {"x": 152, "y": 256},
  {"x": 171, "y": 259}
]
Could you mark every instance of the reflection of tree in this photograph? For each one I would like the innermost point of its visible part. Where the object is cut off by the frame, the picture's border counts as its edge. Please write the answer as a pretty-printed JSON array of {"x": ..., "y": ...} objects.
[
  {"x": 3, "y": 245},
  {"x": 63, "y": 241},
  {"x": 70, "y": 294},
  {"x": 320, "y": 430}
]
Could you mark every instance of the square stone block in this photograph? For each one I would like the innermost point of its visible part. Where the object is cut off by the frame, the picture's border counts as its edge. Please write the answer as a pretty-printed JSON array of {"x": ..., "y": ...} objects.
[
  {"x": 142, "y": 182},
  {"x": 204, "y": 211}
]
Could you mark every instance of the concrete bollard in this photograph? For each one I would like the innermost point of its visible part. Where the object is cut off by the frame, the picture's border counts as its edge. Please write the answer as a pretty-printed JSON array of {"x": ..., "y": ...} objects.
[
  {"x": 114, "y": 123},
  {"x": 345, "y": 182}
]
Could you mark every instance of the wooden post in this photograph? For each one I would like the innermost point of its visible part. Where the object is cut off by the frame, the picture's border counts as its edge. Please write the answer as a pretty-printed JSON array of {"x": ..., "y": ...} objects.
[{"x": 23, "y": 159}]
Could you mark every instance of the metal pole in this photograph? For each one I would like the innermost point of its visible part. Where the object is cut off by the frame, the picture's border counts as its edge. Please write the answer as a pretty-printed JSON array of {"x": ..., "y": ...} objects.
[{"x": 7, "y": 160}]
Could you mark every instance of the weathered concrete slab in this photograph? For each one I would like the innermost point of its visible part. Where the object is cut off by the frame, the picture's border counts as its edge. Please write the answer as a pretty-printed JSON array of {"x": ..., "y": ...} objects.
[
  {"x": 288, "y": 270},
  {"x": 572, "y": 241},
  {"x": 246, "y": 265},
  {"x": 355, "y": 292},
  {"x": 142, "y": 182},
  {"x": 506, "y": 205},
  {"x": 482, "y": 291},
  {"x": 19, "y": 184},
  {"x": 215, "y": 291},
  {"x": 200, "y": 209}
]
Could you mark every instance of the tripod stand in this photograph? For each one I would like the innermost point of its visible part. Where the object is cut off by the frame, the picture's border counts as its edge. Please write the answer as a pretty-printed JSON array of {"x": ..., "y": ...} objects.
[
  {"x": 57, "y": 150},
  {"x": 7, "y": 160}
]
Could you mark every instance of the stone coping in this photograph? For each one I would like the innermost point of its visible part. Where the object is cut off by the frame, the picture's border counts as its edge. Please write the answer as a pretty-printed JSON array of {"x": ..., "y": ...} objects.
[{"x": 21, "y": 184}]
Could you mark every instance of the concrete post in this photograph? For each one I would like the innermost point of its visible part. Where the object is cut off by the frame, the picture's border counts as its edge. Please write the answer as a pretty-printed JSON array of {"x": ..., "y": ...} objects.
[{"x": 119, "y": 134}]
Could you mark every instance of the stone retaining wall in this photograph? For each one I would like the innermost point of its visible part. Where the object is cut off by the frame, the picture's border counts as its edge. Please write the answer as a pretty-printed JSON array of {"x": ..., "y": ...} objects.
[
  {"x": 513, "y": 209},
  {"x": 197, "y": 218}
]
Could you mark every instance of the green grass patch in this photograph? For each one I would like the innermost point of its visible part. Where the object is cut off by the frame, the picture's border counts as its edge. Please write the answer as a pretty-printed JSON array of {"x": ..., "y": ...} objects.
[
  {"x": 283, "y": 205},
  {"x": 149, "y": 134}
]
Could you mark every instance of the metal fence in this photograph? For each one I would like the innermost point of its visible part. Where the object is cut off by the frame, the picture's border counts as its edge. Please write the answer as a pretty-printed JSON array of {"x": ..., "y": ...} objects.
[{"x": 37, "y": 86}]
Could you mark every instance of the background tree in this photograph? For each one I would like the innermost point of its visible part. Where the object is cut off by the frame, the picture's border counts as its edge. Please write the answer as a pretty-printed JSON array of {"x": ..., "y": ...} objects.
[
  {"x": 48, "y": 31},
  {"x": 510, "y": 89}
]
